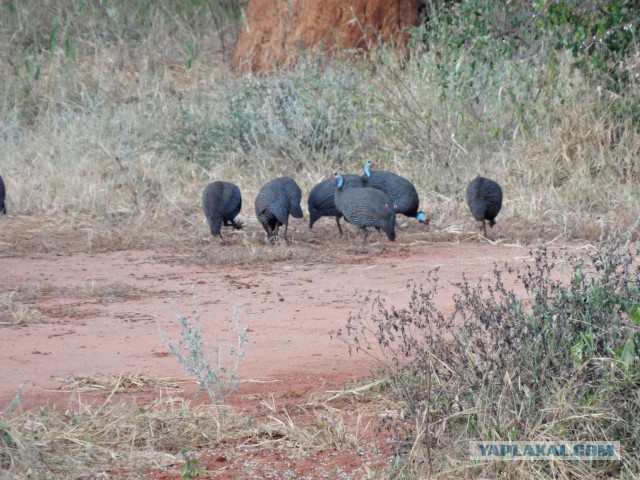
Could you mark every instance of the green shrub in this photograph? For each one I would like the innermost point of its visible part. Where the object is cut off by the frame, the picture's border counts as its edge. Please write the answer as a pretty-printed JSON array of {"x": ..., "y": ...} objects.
[
  {"x": 556, "y": 358},
  {"x": 304, "y": 116}
]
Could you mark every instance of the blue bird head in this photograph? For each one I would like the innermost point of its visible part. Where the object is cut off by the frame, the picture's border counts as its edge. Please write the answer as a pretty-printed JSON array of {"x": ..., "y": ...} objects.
[
  {"x": 367, "y": 167},
  {"x": 338, "y": 178},
  {"x": 422, "y": 217}
]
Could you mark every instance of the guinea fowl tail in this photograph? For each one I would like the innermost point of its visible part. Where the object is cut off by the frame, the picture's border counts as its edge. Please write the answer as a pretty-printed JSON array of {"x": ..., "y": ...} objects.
[
  {"x": 296, "y": 211},
  {"x": 391, "y": 228}
]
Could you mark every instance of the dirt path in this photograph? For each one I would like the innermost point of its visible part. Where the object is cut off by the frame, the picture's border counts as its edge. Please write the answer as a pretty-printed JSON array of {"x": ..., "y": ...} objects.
[{"x": 101, "y": 313}]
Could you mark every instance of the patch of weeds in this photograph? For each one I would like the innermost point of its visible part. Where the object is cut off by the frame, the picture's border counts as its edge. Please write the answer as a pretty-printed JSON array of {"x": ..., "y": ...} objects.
[
  {"x": 300, "y": 116},
  {"x": 216, "y": 370},
  {"x": 14, "y": 312},
  {"x": 555, "y": 359},
  {"x": 123, "y": 439},
  {"x": 106, "y": 292},
  {"x": 8, "y": 444},
  {"x": 192, "y": 467}
]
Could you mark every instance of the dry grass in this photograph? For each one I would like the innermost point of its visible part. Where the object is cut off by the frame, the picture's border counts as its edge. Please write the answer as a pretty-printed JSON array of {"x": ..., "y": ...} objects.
[
  {"x": 79, "y": 149},
  {"x": 125, "y": 439},
  {"x": 87, "y": 107},
  {"x": 14, "y": 312},
  {"x": 21, "y": 306},
  {"x": 102, "y": 292},
  {"x": 129, "y": 383},
  {"x": 118, "y": 438}
]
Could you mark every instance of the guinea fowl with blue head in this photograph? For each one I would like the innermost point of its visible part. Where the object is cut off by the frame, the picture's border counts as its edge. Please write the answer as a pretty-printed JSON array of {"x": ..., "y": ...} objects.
[
  {"x": 402, "y": 192},
  {"x": 321, "y": 200},
  {"x": 365, "y": 207}
]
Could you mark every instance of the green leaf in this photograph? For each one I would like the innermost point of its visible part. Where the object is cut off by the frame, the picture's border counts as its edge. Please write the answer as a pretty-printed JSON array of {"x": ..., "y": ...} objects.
[
  {"x": 628, "y": 352},
  {"x": 68, "y": 48},
  {"x": 577, "y": 353},
  {"x": 635, "y": 315},
  {"x": 53, "y": 36}
]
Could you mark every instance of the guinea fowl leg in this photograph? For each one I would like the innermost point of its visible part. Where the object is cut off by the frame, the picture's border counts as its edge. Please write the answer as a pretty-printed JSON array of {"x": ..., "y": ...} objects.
[
  {"x": 286, "y": 225},
  {"x": 339, "y": 227},
  {"x": 484, "y": 227},
  {"x": 381, "y": 239},
  {"x": 364, "y": 239}
]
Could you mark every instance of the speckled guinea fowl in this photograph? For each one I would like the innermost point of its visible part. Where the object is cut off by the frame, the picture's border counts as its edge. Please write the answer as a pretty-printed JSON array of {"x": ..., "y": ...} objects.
[
  {"x": 484, "y": 198},
  {"x": 365, "y": 207},
  {"x": 402, "y": 191},
  {"x": 276, "y": 200},
  {"x": 321, "y": 200},
  {"x": 221, "y": 203}
]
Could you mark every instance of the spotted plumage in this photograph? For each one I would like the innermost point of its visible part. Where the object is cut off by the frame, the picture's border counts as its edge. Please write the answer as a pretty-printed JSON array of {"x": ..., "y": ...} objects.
[
  {"x": 276, "y": 200},
  {"x": 402, "y": 191},
  {"x": 484, "y": 198},
  {"x": 221, "y": 203},
  {"x": 365, "y": 207},
  {"x": 321, "y": 200}
]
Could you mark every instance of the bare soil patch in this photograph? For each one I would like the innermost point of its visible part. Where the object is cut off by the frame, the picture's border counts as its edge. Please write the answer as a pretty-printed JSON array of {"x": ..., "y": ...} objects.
[{"x": 101, "y": 313}]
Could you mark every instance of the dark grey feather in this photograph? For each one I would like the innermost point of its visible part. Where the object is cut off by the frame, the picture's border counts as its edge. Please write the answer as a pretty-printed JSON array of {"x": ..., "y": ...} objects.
[
  {"x": 366, "y": 207},
  {"x": 402, "y": 192},
  {"x": 221, "y": 203},
  {"x": 321, "y": 201},
  {"x": 484, "y": 198},
  {"x": 276, "y": 200}
]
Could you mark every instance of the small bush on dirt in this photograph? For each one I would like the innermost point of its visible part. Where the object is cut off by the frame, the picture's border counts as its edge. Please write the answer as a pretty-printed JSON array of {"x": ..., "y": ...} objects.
[
  {"x": 15, "y": 312},
  {"x": 556, "y": 359},
  {"x": 192, "y": 467},
  {"x": 217, "y": 376}
]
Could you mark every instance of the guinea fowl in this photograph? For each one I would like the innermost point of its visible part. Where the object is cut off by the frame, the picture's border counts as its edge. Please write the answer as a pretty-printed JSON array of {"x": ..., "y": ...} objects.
[
  {"x": 276, "y": 200},
  {"x": 221, "y": 203},
  {"x": 321, "y": 200},
  {"x": 365, "y": 207},
  {"x": 402, "y": 192},
  {"x": 484, "y": 198}
]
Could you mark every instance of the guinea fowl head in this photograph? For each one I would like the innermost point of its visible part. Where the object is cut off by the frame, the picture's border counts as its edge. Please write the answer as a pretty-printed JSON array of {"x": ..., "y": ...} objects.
[
  {"x": 422, "y": 218},
  {"x": 367, "y": 167},
  {"x": 338, "y": 178}
]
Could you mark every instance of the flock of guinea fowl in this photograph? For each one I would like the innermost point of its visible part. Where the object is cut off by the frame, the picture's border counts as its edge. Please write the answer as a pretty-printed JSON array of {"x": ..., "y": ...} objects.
[{"x": 369, "y": 200}]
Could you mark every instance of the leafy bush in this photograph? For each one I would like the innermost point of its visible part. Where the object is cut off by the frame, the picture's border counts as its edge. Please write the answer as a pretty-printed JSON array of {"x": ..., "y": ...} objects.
[
  {"x": 192, "y": 467},
  {"x": 558, "y": 358},
  {"x": 479, "y": 33},
  {"x": 304, "y": 116}
]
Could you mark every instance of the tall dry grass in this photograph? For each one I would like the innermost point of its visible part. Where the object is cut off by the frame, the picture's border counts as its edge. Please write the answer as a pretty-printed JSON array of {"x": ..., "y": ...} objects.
[{"x": 115, "y": 116}]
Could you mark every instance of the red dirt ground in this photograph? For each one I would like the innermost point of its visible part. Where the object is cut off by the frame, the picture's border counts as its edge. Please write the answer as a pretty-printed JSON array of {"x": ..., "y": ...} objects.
[{"x": 288, "y": 305}]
